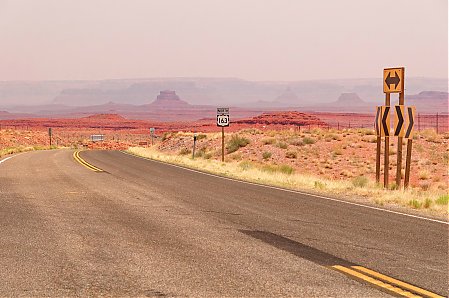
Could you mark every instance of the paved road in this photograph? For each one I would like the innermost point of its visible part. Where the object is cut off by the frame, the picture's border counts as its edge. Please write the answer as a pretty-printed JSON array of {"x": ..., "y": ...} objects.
[{"x": 142, "y": 228}]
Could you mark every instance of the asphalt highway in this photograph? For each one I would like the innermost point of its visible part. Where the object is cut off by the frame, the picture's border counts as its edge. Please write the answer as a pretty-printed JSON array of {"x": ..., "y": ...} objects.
[{"x": 145, "y": 229}]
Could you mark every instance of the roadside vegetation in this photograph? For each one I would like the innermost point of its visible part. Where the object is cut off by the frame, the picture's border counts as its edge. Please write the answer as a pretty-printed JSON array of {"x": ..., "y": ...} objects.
[{"x": 336, "y": 163}]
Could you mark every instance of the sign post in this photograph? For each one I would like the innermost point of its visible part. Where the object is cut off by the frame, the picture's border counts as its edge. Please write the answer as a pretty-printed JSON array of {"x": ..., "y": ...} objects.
[
  {"x": 50, "y": 134},
  {"x": 393, "y": 82},
  {"x": 411, "y": 111},
  {"x": 223, "y": 121},
  {"x": 152, "y": 130},
  {"x": 194, "y": 145}
]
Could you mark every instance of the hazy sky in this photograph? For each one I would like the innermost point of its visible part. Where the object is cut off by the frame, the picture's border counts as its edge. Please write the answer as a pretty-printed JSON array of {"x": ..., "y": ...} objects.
[{"x": 249, "y": 39}]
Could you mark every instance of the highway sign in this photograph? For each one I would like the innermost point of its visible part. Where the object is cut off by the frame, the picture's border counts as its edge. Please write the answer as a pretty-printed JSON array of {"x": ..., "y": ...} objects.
[
  {"x": 399, "y": 121},
  {"x": 223, "y": 119},
  {"x": 410, "y": 123},
  {"x": 394, "y": 80},
  {"x": 97, "y": 138},
  {"x": 152, "y": 130},
  {"x": 385, "y": 122}
]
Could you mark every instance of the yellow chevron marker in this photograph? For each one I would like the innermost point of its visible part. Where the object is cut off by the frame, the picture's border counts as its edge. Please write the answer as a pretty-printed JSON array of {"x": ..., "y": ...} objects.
[
  {"x": 399, "y": 121},
  {"x": 78, "y": 158}
]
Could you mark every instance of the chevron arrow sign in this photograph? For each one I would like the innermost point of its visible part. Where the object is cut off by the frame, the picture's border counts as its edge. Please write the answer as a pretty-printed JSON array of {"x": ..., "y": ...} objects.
[
  {"x": 399, "y": 121},
  {"x": 385, "y": 122},
  {"x": 410, "y": 122}
]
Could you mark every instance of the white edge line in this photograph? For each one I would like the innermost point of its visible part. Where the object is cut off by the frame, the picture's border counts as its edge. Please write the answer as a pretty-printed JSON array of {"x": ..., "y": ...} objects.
[
  {"x": 8, "y": 158},
  {"x": 290, "y": 190}
]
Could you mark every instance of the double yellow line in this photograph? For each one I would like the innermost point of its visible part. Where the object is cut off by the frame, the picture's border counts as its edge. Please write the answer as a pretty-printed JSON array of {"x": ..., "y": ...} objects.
[
  {"x": 77, "y": 157},
  {"x": 394, "y": 286}
]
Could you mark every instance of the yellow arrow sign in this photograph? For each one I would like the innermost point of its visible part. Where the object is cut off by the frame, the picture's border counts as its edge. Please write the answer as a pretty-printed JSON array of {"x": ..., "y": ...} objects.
[
  {"x": 394, "y": 80},
  {"x": 410, "y": 122},
  {"x": 399, "y": 121},
  {"x": 385, "y": 121}
]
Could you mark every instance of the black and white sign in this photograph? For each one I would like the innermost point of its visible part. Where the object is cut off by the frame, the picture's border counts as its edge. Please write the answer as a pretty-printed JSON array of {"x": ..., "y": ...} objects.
[{"x": 223, "y": 119}]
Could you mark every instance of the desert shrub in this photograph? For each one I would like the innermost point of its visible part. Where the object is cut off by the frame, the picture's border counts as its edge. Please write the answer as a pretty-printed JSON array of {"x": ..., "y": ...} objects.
[
  {"x": 443, "y": 200},
  {"x": 415, "y": 204},
  {"x": 296, "y": 142},
  {"x": 291, "y": 154},
  {"x": 427, "y": 203},
  {"x": 266, "y": 155},
  {"x": 236, "y": 143},
  {"x": 268, "y": 141},
  {"x": 282, "y": 145},
  {"x": 246, "y": 165},
  {"x": 201, "y": 136},
  {"x": 165, "y": 136},
  {"x": 286, "y": 169},
  {"x": 308, "y": 141},
  {"x": 360, "y": 181},
  {"x": 424, "y": 175},
  {"x": 185, "y": 151},
  {"x": 320, "y": 185}
]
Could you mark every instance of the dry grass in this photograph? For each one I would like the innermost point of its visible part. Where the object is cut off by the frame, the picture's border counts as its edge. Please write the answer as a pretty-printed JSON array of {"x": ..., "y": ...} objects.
[{"x": 281, "y": 176}]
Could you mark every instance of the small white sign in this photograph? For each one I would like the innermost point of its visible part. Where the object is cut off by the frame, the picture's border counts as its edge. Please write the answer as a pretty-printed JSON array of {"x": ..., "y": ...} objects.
[
  {"x": 223, "y": 118},
  {"x": 97, "y": 138}
]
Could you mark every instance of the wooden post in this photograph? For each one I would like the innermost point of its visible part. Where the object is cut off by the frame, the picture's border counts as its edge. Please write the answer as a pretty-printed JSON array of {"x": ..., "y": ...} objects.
[
  {"x": 379, "y": 145},
  {"x": 387, "y": 149},
  {"x": 399, "y": 153},
  {"x": 437, "y": 125},
  {"x": 222, "y": 144},
  {"x": 408, "y": 162}
]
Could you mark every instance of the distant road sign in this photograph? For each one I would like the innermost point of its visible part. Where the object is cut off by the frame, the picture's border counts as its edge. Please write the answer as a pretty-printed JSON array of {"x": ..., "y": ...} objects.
[
  {"x": 97, "y": 138},
  {"x": 223, "y": 119},
  {"x": 411, "y": 111},
  {"x": 399, "y": 121},
  {"x": 394, "y": 80},
  {"x": 152, "y": 130}
]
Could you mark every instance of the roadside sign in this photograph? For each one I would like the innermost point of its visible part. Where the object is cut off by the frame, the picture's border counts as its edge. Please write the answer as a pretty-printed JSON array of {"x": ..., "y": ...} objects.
[
  {"x": 97, "y": 138},
  {"x": 399, "y": 121},
  {"x": 385, "y": 122},
  {"x": 377, "y": 122},
  {"x": 50, "y": 133},
  {"x": 223, "y": 119},
  {"x": 394, "y": 80},
  {"x": 152, "y": 131},
  {"x": 410, "y": 123}
]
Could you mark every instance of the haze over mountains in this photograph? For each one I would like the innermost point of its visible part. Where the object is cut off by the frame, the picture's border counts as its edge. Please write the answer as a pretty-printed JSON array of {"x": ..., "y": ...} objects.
[{"x": 134, "y": 97}]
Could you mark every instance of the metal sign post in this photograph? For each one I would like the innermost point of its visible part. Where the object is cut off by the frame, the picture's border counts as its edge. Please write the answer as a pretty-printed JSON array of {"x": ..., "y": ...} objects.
[
  {"x": 50, "y": 134},
  {"x": 194, "y": 145},
  {"x": 223, "y": 121},
  {"x": 152, "y": 130}
]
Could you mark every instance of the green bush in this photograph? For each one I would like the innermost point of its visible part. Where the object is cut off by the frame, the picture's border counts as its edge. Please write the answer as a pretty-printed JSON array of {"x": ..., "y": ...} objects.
[
  {"x": 246, "y": 165},
  {"x": 282, "y": 145},
  {"x": 320, "y": 185},
  {"x": 296, "y": 142},
  {"x": 286, "y": 169},
  {"x": 236, "y": 143},
  {"x": 415, "y": 204},
  {"x": 443, "y": 200},
  {"x": 360, "y": 181},
  {"x": 266, "y": 155},
  {"x": 268, "y": 141},
  {"x": 201, "y": 136},
  {"x": 308, "y": 141}
]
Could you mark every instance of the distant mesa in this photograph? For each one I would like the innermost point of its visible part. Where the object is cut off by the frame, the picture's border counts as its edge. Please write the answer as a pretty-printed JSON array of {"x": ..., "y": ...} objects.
[
  {"x": 169, "y": 99},
  {"x": 107, "y": 117},
  {"x": 283, "y": 118},
  {"x": 287, "y": 97},
  {"x": 349, "y": 100}
]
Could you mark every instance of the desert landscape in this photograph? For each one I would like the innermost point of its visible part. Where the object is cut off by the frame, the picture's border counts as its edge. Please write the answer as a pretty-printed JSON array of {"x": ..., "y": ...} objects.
[{"x": 334, "y": 153}]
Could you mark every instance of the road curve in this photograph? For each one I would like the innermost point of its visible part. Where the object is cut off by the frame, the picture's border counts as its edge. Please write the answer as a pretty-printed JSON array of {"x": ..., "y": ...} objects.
[{"x": 142, "y": 228}]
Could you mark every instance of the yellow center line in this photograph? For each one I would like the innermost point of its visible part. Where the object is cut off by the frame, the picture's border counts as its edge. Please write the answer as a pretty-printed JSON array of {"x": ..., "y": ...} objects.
[
  {"x": 373, "y": 281},
  {"x": 78, "y": 158},
  {"x": 396, "y": 282}
]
